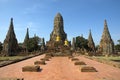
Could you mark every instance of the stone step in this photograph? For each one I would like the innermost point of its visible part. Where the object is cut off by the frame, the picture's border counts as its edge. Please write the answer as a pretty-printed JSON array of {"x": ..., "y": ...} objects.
[
  {"x": 42, "y": 62},
  {"x": 74, "y": 59},
  {"x": 79, "y": 63},
  {"x": 31, "y": 68},
  {"x": 87, "y": 68}
]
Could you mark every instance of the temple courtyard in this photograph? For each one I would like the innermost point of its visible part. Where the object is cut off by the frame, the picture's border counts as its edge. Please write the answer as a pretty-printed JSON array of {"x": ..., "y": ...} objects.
[{"x": 59, "y": 68}]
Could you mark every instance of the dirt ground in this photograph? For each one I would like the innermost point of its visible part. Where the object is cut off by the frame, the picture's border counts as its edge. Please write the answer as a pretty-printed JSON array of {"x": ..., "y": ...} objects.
[{"x": 60, "y": 68}]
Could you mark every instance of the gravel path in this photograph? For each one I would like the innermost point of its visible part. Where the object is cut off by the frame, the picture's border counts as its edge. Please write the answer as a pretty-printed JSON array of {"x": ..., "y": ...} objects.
[{"x": 60, "y": 68}]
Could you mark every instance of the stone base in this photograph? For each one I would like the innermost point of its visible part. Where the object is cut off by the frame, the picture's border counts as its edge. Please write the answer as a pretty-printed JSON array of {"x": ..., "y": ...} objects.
[
  {"x": 31, "y": 68},
  {"x": 48, "y": 56},
  {"x": 61, "y": 54},
  {"x": 79, "y": 63},
  {"x": 42, "y": 62},
  {"x": 45, "y": 59},
  {"x": 70, "y": 57},
  {"x": 87, "y": 69},
  {"x": 74, "y": 59},
  {"x": 58, "y": 48}
]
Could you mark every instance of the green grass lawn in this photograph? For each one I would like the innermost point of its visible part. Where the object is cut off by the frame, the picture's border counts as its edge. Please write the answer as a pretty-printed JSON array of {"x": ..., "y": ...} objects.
[
  {"x": 10, "y": 58},
  {"x": 111, "y": 58},
  {"x": 114, "y": 61}
]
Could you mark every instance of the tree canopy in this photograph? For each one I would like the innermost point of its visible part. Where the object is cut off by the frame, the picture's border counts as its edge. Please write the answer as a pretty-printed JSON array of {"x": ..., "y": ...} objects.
[
  {"x": 1, "y": 47},
  {"x": 33, "y": 44},
  {"x": 81, "y": 42}
]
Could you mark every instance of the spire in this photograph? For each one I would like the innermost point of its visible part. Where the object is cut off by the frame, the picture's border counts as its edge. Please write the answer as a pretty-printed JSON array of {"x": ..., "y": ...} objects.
[
  {"x": 11, "y": 29},
  {"x": 58, "y": 18},
  {"x": 91, "y": 42},
  {"x": 27, "y": 36},
  {"x": 58, "y": 29},
  {"x": 106, "y": 34},
  {"x": 58, "y": 14},
  {"x": 25, "y": 44},
  {"x": 11, "y": 33},
  {"x": 106, "y": 43},
  {"x": 90, "y": 36},
  {"x": 73, "y": 44},
  {"x": 105, "y": 22},
  {"x": 43, "y": 44},
  {"x": 10, "y": 45}
]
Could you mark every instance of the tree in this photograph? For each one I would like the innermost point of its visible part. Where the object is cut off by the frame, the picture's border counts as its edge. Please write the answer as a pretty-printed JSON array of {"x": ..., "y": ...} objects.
[
  {"x": 1, "y": 47},
  {"x": 33, "y": 44},
  {"x": 117, "y": 46},
  {"x": 81, "y": 42}
]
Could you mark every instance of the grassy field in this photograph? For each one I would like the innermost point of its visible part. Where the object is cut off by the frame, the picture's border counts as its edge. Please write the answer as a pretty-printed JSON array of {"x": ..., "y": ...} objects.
[
  {"x": 4, "y": 61},
  {"x": 10, "y": 58},
  {"x": 111, "y": 58},
  {"x": 113, "y": 61}
]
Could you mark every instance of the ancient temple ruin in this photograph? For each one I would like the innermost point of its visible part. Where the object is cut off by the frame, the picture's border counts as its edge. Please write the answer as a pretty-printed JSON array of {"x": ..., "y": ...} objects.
[
  {"x": 106, "y": 43},
  {"x": 58, "y": 34},
  {"x": 73, "y": 47},
  {"x": 91, "y": 44},
  {"x": 25, "y": 44},
  {"x": 58, "y": 38},
  {"x": 10, "y": 45},
  {"x": 43, "y": 44},
  {"x": 58, "y": 29}
]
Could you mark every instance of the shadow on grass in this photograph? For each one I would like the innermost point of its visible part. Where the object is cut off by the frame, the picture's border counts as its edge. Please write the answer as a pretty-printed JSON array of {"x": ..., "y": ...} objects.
[{"x": 116, "y": 60}]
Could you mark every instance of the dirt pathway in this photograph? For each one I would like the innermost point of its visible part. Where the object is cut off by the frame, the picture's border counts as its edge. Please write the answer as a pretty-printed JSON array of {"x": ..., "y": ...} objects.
[{"x": 60, "y": 68}]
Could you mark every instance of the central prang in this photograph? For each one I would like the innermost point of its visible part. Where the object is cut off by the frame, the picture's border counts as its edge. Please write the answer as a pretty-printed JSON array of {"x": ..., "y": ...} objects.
[
  {"x": 58, "y": 30},
  {"x": 58, "y": 38}
]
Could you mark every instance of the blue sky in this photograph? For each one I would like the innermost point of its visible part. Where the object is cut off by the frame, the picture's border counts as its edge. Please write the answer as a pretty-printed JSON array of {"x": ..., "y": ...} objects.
[{"x": 79, "y": 16}]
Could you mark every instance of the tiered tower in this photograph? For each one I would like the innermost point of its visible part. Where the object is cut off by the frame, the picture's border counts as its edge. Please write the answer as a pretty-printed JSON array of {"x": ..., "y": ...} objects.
[
  {"x": 58, "y": 33},
  {"x": 73, "y": 47},
  {"x": 91, "y": 44},
  {"x": 58, "y": 29},
  {"x": 10, "y": 45},
  {"x": 106, "y": 43},
  {"x": 58, "y": 38},
  {"x": 26, "y": 39}
]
